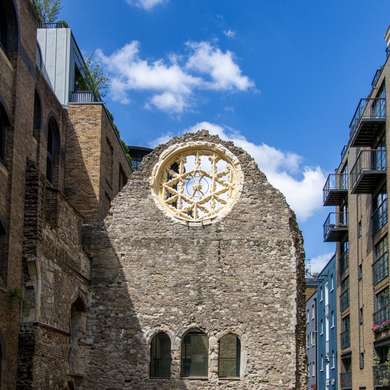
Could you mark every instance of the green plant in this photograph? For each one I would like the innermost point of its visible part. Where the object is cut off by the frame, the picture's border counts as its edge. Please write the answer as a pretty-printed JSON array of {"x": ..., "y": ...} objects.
[
  {"x": 96, "y": 79},
  {"x": 47, "y": 10}
]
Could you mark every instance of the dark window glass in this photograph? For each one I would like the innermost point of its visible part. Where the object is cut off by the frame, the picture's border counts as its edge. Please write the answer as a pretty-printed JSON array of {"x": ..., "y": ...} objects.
[
  {"x": 37, "y": 115},
  {"x": 229, "y": 356},
  {"x": 194, "y": 354},
  {"x": 160, "y": 356},
  {"x": 8, "y": 27}
]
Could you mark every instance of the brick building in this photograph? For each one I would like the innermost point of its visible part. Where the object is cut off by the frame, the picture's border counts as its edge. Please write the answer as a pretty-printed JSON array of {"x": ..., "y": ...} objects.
[
  {"x": 171, "y": 291},
  {"x": 359, "y": 226},
  {"x": 60, "y": 167}
]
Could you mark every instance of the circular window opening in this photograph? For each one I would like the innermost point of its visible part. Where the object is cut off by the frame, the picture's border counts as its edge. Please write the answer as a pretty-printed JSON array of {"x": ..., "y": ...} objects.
[{"x": 197, "y": 182}]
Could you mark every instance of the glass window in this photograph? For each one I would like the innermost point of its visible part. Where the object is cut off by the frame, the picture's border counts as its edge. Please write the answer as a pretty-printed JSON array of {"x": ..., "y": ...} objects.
[
  {"x": 322, "y": 327},
  {"x": 194, "y": 354},
  {"x": 333, "y": 360},
  {"x": 322, "y": 363},
  {"x": 229, "y": 356},
  {"x": 332, "y": 321},
  {"x": 160, "y": 356},
  {"x": 331, "y": 282},
  {"x": 321, "y": 295}
]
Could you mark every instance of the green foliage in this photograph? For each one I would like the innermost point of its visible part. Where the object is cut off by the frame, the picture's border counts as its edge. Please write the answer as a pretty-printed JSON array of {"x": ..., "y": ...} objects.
[
  {"x": 97, "y": 81},
  {"x": 47, "y": 10}
]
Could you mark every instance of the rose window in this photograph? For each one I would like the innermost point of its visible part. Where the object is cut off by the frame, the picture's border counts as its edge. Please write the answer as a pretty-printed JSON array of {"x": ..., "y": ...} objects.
[{"x": 197, "y": 182}]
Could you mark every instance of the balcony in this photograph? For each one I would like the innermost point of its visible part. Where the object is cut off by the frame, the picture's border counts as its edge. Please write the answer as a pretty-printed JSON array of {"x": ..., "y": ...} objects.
[
  {"x": 379, "y": 217},
  {"x": 346, "y": 380},
  {"x": 380, "y": 269},
  {"x": 382, "y": 315},
  {"x": 345, "y": 340},
  {"x": 335, "y": 189},
  {"x": 335, "y": 227},
  {"x": 369, "y": 169},
  {"x": 382, "y": 375},
  {"x": 54, "y": 25},
  {"x": 344, "y": 300},
  {"x": 83, "y": 97},
  {"x": 343, "y": 263},
  {"x": 368, "y": 121}
]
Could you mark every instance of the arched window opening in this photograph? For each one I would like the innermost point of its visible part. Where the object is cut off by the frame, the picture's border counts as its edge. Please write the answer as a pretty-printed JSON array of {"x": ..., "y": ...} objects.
[
  {"x": 229, "y": 356},
  {"x": 8, "y": 27},
  {"x": 37, "y": 115},
  {"x": 77, "y": 331},
  {"x": 4, "y": 124},
  {"x": 53, "y": 150},
  {"x": 195, "y": 354},
  {"x": 160, "y": 356}
]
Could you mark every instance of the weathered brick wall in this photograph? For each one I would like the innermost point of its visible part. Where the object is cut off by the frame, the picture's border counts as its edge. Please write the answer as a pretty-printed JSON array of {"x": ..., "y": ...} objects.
[{"x": 242, "y": 274}]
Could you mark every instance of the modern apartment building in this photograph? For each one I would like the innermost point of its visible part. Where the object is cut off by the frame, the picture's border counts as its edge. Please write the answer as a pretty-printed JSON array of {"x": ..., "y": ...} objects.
[
  {"x": 358, "y": 225},
  {"x": 326, "y": 328},
  {"x": 311, "y": 332}
]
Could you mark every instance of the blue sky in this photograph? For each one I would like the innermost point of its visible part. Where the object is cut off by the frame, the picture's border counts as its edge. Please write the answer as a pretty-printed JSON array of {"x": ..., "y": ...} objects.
[{"x": 281, "y": 78}]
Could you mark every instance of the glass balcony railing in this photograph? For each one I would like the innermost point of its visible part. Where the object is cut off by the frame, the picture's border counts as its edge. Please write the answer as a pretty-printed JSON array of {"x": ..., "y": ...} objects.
[
  {"x": 335, "y": 227},
  {"x": 83, "y": 97},
  {"x": 379, "y": 217},
  {"x": 380, "y": 269}
]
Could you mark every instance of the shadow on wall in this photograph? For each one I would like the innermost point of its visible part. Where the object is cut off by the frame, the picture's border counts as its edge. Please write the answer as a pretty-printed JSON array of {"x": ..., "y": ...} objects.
[{"x": 117, "y": 353}]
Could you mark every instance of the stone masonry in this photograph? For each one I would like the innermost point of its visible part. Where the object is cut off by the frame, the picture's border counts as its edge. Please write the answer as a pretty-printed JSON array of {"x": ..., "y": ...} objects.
[{"x": 242, "y": 274}]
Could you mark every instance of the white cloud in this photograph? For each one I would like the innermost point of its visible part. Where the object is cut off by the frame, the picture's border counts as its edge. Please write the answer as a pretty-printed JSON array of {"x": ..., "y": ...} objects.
[
  {"x": 172, "y": 82},
  {"x": 318, "y": 263},
  {"x": 219, "y": 66},
  {"x": 301, "y": 185},
  {"x": 147, "y": 5},
  {"x": 230, "y": 33}
]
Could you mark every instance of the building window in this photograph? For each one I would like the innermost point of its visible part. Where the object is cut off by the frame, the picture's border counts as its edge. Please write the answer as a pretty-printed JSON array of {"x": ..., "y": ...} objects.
[
  {"x": 307, "y": 316},
  {"x": 333, "y": 360},
  {"x": 381, "y": 307},
  {"x": 313, "y": 369},
  {"x": 361, "y": 360},
  {"x": 313, "y": 312},
  {"x": 313, "y": 338},
  {"x": 379, "y": 205},
  {"x": 321, "y": 295},
  {"x": 37, "y": 123},
  {"x": 160, "y": 356},
  {"x": 322, "y": 363},
  {"x": 331, "y": 283},
  {"x": 321, "y": 327},
  {"x": 381, "y": 263},
  {"x": 359, "y": 229},
  {"x": 308, "y": 340},
  {"x": 361, "y": 316},
  {"x": 229, "y": 356},
  {"x": 345, "y": 336},
  {"x": 194, "y": 354},
  {"x": 360, "y": 272},
  {"x": 8, "y": 27},
  {"x": 53, "y": 152},
  {"x": 332, "y": 321}
]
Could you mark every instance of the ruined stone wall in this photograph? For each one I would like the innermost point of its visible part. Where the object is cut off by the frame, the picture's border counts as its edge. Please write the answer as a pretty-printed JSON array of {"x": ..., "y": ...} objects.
[{"x": 243, "y": 274}]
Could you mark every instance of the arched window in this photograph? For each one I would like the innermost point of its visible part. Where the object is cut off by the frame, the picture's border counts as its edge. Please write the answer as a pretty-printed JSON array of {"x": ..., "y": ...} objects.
[
  {"x": 195, "y": 354},
  {"x": 229, "y": 356},
  {"x": 4, "y": 124},
  {"x": 77, "y": 331},
  {"x": 8, "y": 27},
  {"x": 160, "y": 356},
  {"x": 53, "y": 151},
  {"x": 37, "y": 115}
]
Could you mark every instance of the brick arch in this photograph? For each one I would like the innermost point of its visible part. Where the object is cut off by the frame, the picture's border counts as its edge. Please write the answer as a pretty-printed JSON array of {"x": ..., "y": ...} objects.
[{"x": 9, "y": 28}]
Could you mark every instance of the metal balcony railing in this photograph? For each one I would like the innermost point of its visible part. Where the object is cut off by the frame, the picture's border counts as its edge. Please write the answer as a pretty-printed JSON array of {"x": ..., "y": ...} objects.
[
  {"x": 83, "y": 97},
  {"x": 369, "y": 115},
  {"x": 344, "y": 263},
  {"x": 382, "y": 374},
  {"x": 369, "y": 167},
  {"x": 335, "y": 189},
  {"x": 344, "y": 300},
  {"x": 335, "y": 227},
  {"x": 380, "y": 269},
  {"x": 346, "y": 380},
  {"x": 379, "y": 217},
  {"x": 345, "y": 339},
  {"x": 382, "y": 314},
  {"x": 54, "y": 25}
]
